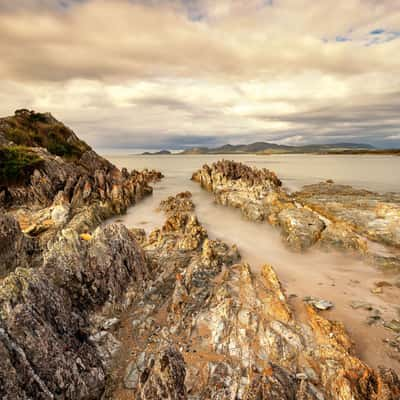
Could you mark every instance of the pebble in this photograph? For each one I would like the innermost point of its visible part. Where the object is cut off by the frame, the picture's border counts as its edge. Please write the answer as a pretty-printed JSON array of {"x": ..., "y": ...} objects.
[
  {"x": 110, "y": 323},
  {"x": 320, "y": 304},
  {"x": 361, "y": 304},
  {"x": 394, "y": 325},
  {"x": 383, "y": 284}
]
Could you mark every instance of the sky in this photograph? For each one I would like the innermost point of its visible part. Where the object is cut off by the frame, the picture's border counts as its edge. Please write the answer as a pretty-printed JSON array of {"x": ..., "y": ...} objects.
[{"x": 181, "y": 73}]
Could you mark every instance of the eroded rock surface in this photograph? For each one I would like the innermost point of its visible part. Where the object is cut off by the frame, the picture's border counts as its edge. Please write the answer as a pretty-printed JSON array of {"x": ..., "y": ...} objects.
[
  {"x": 61, "y": 279},
  {"x": 46, "y": 339},
  {"x": 373, "y": 215},
  {"x": 208, "y": 328},
  {"x": 68, "y": 185},
  {"x": 326, "y": 215}
]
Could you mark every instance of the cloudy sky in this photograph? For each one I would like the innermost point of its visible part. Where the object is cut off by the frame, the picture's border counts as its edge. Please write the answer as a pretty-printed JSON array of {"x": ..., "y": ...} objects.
[{"x": 179, "y": 73}]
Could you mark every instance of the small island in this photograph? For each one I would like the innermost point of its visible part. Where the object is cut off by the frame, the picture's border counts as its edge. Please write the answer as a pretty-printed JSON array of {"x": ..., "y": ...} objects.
[{"x": 157, "y": 153}]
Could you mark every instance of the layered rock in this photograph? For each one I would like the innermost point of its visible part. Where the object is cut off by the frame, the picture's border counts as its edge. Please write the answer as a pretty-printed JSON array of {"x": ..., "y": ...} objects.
[
  {"x": 69, "y": 187},
  {"x": 47, "y": 350},
  {"x": 372, "y": 215},
  {"x": 326, "y": 215},
  {"x": 208, "y": 328}
]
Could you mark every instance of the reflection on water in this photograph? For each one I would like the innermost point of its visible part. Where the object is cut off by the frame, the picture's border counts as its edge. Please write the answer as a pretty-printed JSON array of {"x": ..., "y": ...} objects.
[{"x": 331, "y": 276}]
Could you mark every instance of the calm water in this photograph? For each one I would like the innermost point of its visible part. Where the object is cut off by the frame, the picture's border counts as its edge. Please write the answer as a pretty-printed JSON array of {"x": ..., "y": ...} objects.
[{"x": 331, "y": 276}]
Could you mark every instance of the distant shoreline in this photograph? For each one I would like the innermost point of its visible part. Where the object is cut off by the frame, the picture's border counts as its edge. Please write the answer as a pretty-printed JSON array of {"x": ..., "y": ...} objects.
[
  {"x": 267, "y": 148},
  {"x": 394, "y": 152}
]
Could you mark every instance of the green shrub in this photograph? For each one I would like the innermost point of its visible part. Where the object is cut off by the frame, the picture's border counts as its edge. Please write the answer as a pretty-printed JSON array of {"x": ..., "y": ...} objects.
[
  {"x": 17, "y": 164},
  {"x": 36, "y": 129},
  {"x": 19, "y": 136}
]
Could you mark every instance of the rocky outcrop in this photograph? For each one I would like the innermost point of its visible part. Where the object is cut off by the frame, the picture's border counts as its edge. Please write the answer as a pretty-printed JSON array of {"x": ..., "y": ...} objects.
[
  {"x": 372, "y": 215},
  {"x": 325, "y": 215},
  {"x": 301, "y": 228},
  {"x": 208, "y": 328},
  {"x": 47, "y": 344},
  {"x": 71, "y": 187},
  {"x": 75, "y": 179}
]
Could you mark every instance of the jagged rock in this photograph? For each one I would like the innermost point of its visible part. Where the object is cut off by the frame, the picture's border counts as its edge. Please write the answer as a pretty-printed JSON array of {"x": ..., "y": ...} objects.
[
  {"x": 180, "y": 203},
  {"x": 210, "y": 329},
  {"x": 301, "y": 228},
  {"x": 72, "y": 187},
  {"x": 44, "y": 315},
  {"x": 331, "y": 216},
  {"x": 373, "y": 215},
  {"x": 81, "y": 177}
]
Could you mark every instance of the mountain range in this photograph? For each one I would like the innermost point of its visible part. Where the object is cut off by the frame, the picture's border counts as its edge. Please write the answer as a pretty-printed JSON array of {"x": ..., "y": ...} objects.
[{"x": 266, "y": 148}]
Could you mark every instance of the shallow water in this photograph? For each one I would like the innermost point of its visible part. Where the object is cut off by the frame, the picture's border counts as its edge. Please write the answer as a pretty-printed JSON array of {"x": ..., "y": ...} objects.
[{"x": 332, "y": 276}]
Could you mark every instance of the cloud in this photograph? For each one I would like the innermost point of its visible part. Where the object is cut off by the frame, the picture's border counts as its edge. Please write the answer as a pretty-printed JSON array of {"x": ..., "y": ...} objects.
[{"x": 124, "y": 72}]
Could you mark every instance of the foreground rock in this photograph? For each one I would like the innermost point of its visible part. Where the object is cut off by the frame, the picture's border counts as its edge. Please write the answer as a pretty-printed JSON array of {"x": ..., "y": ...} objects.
[
  {"x": 50, "y": 180},
  {"x": 326, "y": 215},
  {"x": 46, "y": 345},
  {"x": 207, "y": 328},
  {"x": 372, "y": 215}
]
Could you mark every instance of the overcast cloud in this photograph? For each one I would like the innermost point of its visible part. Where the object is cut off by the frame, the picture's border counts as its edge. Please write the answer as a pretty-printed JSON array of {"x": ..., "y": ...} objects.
[{"x": 178, "y": 73}]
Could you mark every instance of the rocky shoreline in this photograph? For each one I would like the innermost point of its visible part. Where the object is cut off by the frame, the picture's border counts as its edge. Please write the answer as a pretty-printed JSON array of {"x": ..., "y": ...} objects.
[
  {"x": 324, "y": 215},
  {"x": 99, "y": 311},
  {"x": 61, "y": 192},
  {"x": 206, "y": 327},
  {"x": 60, "y": 274}
]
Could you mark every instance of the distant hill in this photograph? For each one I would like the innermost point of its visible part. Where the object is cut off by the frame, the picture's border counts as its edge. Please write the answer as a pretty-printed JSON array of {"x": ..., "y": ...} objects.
[
  {"x": 156, "y": 153},
  {"x": 266, "y": 148}
]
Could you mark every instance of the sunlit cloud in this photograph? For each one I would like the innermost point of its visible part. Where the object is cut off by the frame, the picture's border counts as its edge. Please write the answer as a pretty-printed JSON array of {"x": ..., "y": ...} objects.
[{"x": 183, "y": 72}]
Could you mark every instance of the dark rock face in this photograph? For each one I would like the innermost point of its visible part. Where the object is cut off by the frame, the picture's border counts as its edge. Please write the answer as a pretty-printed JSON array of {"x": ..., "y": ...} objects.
[
  {"x": 327, "y": 215},
  {"x": 44, "y": 315},
  {"x": 207, "y": 328},
  {"x": 16, "y": 249}
]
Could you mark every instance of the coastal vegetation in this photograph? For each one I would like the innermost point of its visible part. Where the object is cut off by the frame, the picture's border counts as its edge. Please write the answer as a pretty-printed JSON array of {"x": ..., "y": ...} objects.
[
  {"x": 17, "y": 164},
  {"x": 41, "y": 130}
]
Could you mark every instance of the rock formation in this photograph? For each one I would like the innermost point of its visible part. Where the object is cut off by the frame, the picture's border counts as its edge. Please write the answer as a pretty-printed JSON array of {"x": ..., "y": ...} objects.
[
  {"x": 94, "y": 313},
  {"x": 326, "y": 215},
  {"x": 50, "y": 180},
  {"x": 208, "y": 328},
  {"x": 46, "y": 346}
]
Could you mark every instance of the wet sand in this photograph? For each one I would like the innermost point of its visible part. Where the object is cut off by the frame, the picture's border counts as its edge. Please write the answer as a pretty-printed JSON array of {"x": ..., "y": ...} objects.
[{"x": 331, "y": 276}]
